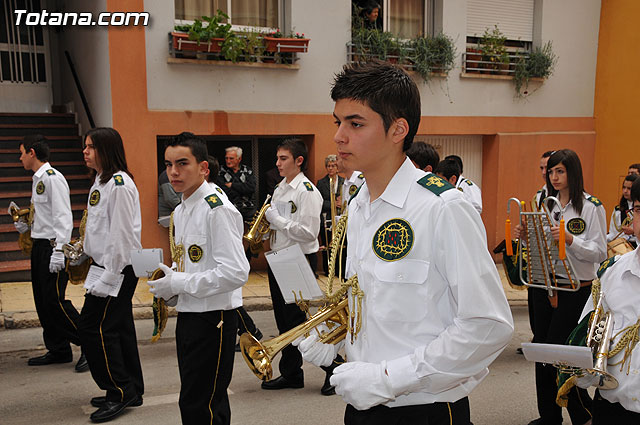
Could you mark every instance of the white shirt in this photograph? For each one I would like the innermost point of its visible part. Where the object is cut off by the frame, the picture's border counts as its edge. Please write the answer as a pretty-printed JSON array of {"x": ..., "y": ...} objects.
[
  {"x": 621, "y": 289},
  {"x": 52, "y": 218},
  {"x": 301, "y": 223},
  {"x": 215, "y": 266},
  {"x": 589, "y": 247},
  {"x": 471, "y": 191},
  {"x": 438, "y": 316},
  {"x": 113, "y": 224},
  {"x": 351, "y": 185},
  {"x": 617, "y": 221}
]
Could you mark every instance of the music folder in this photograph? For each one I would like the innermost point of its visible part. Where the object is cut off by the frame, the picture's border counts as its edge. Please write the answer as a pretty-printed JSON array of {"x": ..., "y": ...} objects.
[
  {"x": 293, "y": 274},
  {"x": 145, "y": 261},
  {"x": 566, "y": 355}
]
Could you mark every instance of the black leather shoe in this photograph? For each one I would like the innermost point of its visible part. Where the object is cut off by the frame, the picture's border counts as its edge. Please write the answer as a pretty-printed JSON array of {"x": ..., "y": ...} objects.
[
  {"x": 327, "y": 388},
  {"x": 49, "y": 358},
  {"x": 82, "y": 365},
  {"x": 519, "y": 350},
  {"x": 281, "y": 382},
  {"x": 101, "y": 400},
  {"x": 110, "y": 410}
]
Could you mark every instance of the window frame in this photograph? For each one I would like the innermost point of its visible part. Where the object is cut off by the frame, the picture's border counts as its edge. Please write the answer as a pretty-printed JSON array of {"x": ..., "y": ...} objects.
[
  {"x": 429, "y": 22},
  {"x": 282, "y": 4}
]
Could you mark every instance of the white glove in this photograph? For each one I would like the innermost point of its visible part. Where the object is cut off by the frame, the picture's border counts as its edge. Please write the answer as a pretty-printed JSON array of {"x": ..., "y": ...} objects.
[
  {"x": 56, "y": 263},
  {"x": 362, "y": 385},
  {"x": 21, "y": 226},
  {"x": 161, "y": 288},
  {"x": 100, "y": 289},
  {"x": 316, "y": 352},
  {"x": 272, "y": 214}
]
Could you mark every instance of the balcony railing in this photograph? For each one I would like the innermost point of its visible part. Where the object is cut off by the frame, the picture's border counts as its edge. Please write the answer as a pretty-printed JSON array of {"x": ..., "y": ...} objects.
[
  {"x": 361, "y": 53},
  {"x": 474, "y": 62}
]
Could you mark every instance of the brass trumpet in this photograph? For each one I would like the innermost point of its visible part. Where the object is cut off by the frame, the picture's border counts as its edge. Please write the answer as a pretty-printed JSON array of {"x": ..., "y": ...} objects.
[
  {"x": 160, "y": 309},
  {"x": 24, "y": 215},
  {"x": 258, "y": 228},
  {"x": 259, "y": 356},
  {"x": 74, "y": 251}
]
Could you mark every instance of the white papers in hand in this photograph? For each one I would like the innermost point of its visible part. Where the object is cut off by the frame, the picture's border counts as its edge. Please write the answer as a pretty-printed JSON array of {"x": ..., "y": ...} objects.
[
  {"x": 293, "y": 274},
  {"x": 568, "y": 355}
]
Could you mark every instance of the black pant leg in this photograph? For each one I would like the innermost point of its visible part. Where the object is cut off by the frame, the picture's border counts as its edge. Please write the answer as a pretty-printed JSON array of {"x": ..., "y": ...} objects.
[
  {"x": 456, "y": 413},
  {"x": 106, "y": 326},
  {"x": 245, "y": 322},
  {"x": 205, "y": 347},
  {"x": 287, "y": 316},
  {"x": 606, "y": 413},
  {"x": 58, "y": 317}
]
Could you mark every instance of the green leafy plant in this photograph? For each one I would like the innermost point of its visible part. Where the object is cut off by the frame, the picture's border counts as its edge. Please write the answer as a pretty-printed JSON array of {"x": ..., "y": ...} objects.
[
  {"x": 233, "y": 47},
  {"x": 493, "y": 49},
  {"x": 538, "y": 64},
  {"x": 254, "y": 47},
  {"x": 214, "y": 28},
  {"x": 433, "y": 54}
]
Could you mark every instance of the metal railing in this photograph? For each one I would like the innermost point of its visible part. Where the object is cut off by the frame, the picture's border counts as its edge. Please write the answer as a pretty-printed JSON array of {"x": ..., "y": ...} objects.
[
  {"x": 360, "y": 53},
  {"x": 476, "y": 62}
]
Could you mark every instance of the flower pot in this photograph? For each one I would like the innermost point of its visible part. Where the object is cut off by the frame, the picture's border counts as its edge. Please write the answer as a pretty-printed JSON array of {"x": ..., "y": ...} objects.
[
  {"x": 181, "y": 42},
  {"x": 274, "y": 44}
]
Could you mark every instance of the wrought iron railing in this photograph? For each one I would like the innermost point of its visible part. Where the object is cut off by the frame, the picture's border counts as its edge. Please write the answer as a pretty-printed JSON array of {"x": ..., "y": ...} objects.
[
  {"x": 474, "y": 62},
  {"x": 403, "y": 57}
]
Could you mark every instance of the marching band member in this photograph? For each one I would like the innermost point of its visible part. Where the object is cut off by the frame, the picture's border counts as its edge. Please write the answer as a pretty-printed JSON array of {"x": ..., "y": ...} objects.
[
  {"x": 621, "y": 212},
  {"x": 352, "y": 182},
  {"x": 207, "y": 284},
  {"x": 106, "y": 321},
  {"x": 620, "y": 287},
  {"x": 50, "y": 230},
  {"x": 554, "y": 318},
  {"x": 432, "y": 321},
  {"x": 300, "y": 224},
  {"x": 471, "y": 190}
]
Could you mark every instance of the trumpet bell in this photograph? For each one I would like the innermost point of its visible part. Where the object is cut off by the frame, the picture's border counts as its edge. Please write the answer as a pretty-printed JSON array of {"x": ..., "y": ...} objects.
[
  {"x": 606, "y": 381},
  {"x": 255, "y": 354}
]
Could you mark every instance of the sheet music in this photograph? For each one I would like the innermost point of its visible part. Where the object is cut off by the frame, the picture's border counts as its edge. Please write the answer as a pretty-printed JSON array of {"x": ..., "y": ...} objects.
[
  {"x": 145, "y": 261},
  {"x": 293, "y": 274},
  {"x": 569, "y": 355},
  {"x": 94, "y": 275}
]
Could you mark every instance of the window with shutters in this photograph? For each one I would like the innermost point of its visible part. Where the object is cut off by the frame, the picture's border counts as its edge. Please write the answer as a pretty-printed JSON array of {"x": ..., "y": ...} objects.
[{"x": 242, "y": 13}]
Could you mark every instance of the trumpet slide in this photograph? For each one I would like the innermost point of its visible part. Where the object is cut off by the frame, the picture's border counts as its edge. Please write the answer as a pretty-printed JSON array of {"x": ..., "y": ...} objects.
[{"x": 258, "y": 228}]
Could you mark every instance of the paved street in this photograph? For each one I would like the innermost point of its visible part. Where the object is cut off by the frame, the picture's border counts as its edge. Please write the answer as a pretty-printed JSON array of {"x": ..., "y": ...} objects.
[{"x": 56, "y": 395}]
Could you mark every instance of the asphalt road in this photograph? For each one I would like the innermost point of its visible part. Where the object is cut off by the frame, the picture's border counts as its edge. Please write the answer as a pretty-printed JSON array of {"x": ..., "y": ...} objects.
[{"x": 56, "y": 395}]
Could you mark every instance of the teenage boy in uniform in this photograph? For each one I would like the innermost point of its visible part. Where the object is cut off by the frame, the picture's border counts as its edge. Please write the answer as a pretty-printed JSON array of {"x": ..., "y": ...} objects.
[
  {"x": 51, "y": 228},
  {"x": 207, "y": 284},
  {"x": 300, "y": 224},
  {"x": 434, "y": 314}
]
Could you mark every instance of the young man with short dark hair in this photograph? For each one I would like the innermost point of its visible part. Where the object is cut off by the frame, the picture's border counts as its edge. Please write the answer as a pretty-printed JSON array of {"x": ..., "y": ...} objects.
[
  {"x": 51, "y": 228},
  {"x": 449, "y": 170},
  {"x": 431, "y": 319},
  {"x": 294, "y": 218},
  {"x": 471, "y": 190},
  {"x": 634, "y": 169},
  {"x": 212, "y": 269},
  {"x": 424, "y": 156}
]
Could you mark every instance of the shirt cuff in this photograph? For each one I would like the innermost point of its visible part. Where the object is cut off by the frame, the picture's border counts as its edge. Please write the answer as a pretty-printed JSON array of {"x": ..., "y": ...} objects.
[
  {"x": 402, "y": 375},
  {"x": 109, "y": 278},
  {"x": 178, "y": 281}
]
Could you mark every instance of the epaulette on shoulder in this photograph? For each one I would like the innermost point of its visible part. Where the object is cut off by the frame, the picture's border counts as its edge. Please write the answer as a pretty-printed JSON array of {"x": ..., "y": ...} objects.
[
  {"x": 213, "y": 200},
  {"x": 118, "y": 179},
  {"x": 595, "y": 201},
  {"x": 435, "y": 184},
  {"x": 617, "y": 208},
  {"x": 606, "y": 264},
  {"x": 308, "y": 186},
  {"x": 360, "y": 176},
  {"x": 51, "y": 172},
  {"x": 469, "y": 182}
]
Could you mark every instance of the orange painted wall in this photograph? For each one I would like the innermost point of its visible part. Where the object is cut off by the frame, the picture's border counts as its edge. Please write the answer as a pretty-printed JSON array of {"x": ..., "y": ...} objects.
[
  {"x": 616, "y": 98},
  {"x": 512, "y": 145}
]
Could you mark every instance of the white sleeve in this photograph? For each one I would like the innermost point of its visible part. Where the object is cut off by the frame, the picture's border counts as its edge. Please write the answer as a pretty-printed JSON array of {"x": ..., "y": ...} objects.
[
  {"x": 593, "y": 247},
  {"x": 232, "y": 270},
  {"x": 306, "y": 228},
  {"x": 615, "y": 219},
  {"x": 61, "y": 211},
  {"x": 482, "y": 326},
  {"x": 120, "y": 239}
]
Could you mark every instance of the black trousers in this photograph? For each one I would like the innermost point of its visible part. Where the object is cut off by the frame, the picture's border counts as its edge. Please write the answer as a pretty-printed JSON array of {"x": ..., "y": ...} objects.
[
  {"x": 606, "y": 413},
  {"x": 205, "y": 345},
  {"x": 424, "y": 414},
  {"x": 553, "y": 326},
  {"x": 245, "y": 322},
  {"x": 58, "y": 317},
  {"x": 109, "y": 341}
]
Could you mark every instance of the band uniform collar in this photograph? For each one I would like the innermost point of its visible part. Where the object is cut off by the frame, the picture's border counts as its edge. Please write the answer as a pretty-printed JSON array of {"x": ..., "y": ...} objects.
[
  {"x": 397, "y": 190},
  {"x": 199, "y": 194},
  {"x": 44, "y": 167},
  {"x": 296, "y": 180}
]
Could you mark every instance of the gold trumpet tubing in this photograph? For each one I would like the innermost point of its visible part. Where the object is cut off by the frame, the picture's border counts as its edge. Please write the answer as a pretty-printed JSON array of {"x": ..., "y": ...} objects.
[
  {"x": 332, "y": 199},
  {"x": 20, "y": 214}
]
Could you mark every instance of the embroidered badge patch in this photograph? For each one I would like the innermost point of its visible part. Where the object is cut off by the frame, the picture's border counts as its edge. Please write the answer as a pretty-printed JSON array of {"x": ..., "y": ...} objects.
[
  {"x": 605, "y": 265},
  {"x": 308, "y": 186},
  {"x": 468, "y": 182},
  {"x": 119, "y": 180},
  {"x": 435, "y": 184},
  {"x": 352, "y": 189},
  {"x": 219, "y": 190},
  {"x": 294, "y": 208},
  {"x": 576, "y": 226},
  {"x": 595, "y": 201},
  {"x": 195, "y": 253},
  {"x": 94, "y": 198},
  {"x": 393, "y": 240},
  {"x": 51, "y": 172},
  {"x": 213, "y": 201},
  {"x": 40, "y": 188},
  {"x": 360, "y": 176}
]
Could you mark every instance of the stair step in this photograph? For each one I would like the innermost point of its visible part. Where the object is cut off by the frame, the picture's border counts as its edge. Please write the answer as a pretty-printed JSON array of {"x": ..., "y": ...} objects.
[
  {"x": 27, "y": 194},
  {"x": 52, "y": 150},
  {"x": 36, "y": 118},
  {"x": 15, "y": 266},
  {"x": 53, "y": 164},
  {"x": 6, "y": 228}
]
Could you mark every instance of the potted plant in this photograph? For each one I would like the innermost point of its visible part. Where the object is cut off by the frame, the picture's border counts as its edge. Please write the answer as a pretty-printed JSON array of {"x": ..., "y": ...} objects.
[
  {"x": 277, "y": 42},
  {"x": 254, "y": 48},
  {"x": 539, "y": 64},
  {"x": 493, "y": 50},
  {"x": 204, "y": 35}
]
